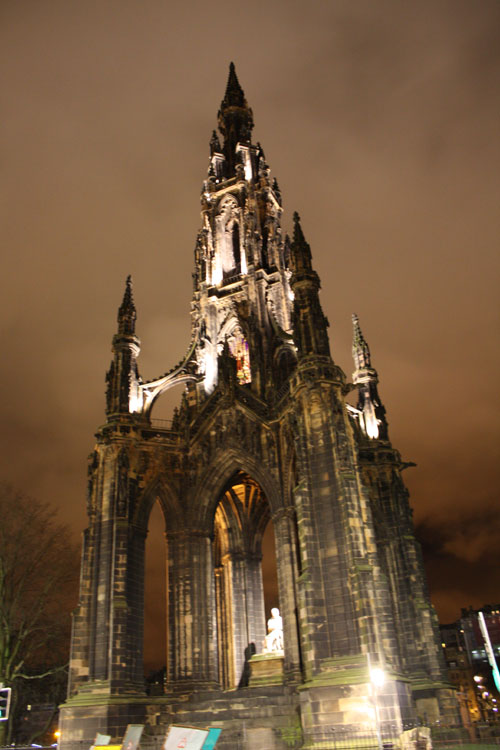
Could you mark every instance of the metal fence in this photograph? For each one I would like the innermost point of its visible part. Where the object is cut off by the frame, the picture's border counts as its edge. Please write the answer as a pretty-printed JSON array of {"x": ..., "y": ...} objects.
[
  {"x": 479, "y": 737},
  {"x": 441, "y": 739},
  {"x": 442, "y": 742},
  {"x": 352, "y": 738},
  {"x": 337, "y": 738}
]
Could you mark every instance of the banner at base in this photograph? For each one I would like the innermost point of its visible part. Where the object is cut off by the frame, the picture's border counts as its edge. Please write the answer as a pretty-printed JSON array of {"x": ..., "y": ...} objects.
[{"x": 185, "y": 738}]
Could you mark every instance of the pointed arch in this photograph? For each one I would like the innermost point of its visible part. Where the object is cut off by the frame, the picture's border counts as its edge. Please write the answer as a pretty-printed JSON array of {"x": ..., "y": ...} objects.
[
  {"x": 236, "y": 497},
  {"x": 241, "y": 516},
  {"x": 227, "y": 462},
  {"x": 161, "y": 490},
  {"x": 285, "y": 358},
  {"x": 235, "y": 233},
  {"x": 231, "y": 322}
]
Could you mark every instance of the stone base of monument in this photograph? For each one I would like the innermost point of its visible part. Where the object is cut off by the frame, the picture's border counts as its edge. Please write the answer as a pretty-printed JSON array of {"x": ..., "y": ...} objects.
[{"x": 266, "y": 669}]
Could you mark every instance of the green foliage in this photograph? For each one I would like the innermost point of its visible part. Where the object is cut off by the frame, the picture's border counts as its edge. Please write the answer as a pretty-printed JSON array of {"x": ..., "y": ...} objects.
[{"x": 292, "y": 734}]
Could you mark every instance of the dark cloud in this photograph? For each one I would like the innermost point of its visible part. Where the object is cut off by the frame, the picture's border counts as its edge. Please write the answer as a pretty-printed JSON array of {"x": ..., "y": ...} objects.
[
  {"x": 380, "y": 121},
  {"x": 462, "y": 558}
]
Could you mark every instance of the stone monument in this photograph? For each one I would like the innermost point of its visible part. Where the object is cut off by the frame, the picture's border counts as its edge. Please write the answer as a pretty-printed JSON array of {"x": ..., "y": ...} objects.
[{"x": 264, "y": 434}]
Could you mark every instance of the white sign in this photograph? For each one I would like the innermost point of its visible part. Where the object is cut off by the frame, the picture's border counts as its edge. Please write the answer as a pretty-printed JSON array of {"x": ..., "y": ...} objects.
[{"x": 185, "y": 738}]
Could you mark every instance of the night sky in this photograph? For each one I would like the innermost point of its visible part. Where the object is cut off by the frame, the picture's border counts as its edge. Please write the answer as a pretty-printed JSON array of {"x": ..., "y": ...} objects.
[{"x": 380, "y": 121}]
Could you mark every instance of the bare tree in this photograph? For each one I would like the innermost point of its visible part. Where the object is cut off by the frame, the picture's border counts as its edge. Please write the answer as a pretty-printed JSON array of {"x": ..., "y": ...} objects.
[{"x": 38, "y": 587}]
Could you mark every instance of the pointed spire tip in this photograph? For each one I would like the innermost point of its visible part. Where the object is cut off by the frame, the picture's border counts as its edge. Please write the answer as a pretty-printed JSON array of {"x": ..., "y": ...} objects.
[
  {"x": 127, "y": 297},
  {"x": 126, "y": 311},
  {"x": 234, "y": 96},
  {"x": 298, "y": 234},
  {"x": 358, "y": 334},
  {"x": 360, "y": 348}
]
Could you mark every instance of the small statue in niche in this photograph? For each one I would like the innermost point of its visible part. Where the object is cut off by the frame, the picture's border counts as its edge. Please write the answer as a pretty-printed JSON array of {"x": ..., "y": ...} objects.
[{"x": 273, "y": 642}]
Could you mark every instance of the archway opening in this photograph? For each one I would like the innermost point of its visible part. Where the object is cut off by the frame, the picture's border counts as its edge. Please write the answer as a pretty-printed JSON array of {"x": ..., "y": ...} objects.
[
  {"x": 155, "y": 602},
  {"x": 163, "y": 408},
  {"x": 240, "y": 522}
]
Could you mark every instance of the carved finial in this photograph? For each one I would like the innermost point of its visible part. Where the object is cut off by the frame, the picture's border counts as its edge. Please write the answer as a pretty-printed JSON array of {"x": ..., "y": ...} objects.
[
  {"x": 127, "y": 313},
  {"x": 360, "y": 348}
]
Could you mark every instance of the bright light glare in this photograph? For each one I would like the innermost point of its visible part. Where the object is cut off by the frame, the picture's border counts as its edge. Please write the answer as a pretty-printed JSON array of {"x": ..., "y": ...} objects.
[{"x": 377, "y": 676}]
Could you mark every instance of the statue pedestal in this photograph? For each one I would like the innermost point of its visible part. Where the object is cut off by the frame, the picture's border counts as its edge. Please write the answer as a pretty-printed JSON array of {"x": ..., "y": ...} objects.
[{"x": 266, "y": 669}]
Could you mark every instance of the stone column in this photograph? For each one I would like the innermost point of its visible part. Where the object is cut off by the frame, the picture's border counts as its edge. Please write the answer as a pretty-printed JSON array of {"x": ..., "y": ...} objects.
[
  {"x": 100, "y": 617},
  {"x": 119, "y": 606},
  {"x": 135, "y": 605},
  {"x": 191, "y": 661},
  {"x": 80, "y": 631},
  {"x": 236, "y": 617},
  {"x": 287, "y": 567},
  {"x": 244, "y": 621},
  {"x": 222, "y": 626},
  {"x": 255, "y": 602},
  {"x": 126, "y": 618}
]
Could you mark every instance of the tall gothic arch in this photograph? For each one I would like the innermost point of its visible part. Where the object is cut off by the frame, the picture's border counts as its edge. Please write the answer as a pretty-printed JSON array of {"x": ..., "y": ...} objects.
[{"x": 263, "y": 435}]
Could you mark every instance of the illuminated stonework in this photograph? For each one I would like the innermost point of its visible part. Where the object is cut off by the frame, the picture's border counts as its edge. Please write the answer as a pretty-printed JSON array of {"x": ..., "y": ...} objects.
[
  {"x": 263, "y": 435},
  {"x": 238, "y": 346}
]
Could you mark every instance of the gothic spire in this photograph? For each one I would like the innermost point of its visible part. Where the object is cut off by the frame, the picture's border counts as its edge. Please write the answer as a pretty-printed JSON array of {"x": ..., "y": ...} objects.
[
  {"x": 235, "y": 119},
  {"x": 127, "y": 313},
  {"x": 300, "y": 250},
  {"x": 122, "y": 376},
  {"x": 309, "y": 324},
  {"x": 234, "y": 96},
  {"x": 372, "y": 412},
  {"x": 360, "y": 349}
]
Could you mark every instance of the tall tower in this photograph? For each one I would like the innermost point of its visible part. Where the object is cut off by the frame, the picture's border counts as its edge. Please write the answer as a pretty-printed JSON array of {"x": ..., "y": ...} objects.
[{"x": 264, "y": 434}]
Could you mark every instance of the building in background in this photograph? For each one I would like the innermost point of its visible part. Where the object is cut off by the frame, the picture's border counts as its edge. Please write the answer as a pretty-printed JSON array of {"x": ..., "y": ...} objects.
[
  {"x": 468, "y": 664},
  {"x": 264, "y": 434}
]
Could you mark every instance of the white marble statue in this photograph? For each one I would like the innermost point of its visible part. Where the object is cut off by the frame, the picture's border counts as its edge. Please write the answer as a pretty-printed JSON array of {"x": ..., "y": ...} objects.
[{"x": 273, "y": 642}]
